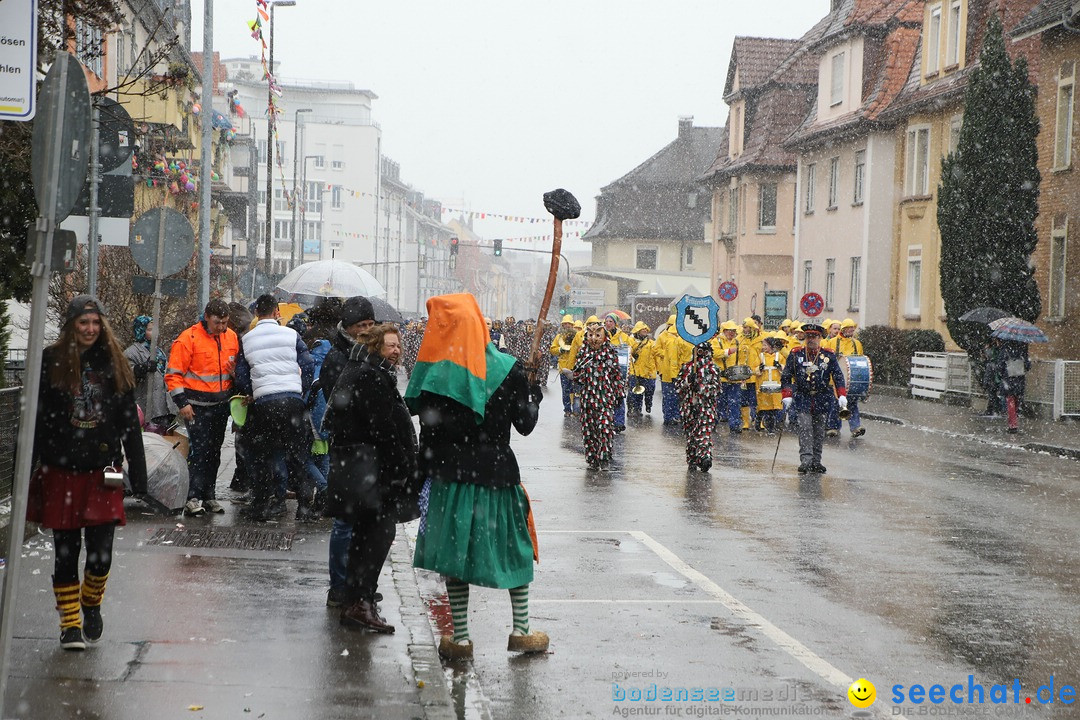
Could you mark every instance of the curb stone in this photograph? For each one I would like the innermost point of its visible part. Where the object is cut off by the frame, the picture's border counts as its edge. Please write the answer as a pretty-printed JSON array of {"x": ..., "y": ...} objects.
[
  {"x": 427, "y": 668},
  {"x": 1060, "y": 450}
]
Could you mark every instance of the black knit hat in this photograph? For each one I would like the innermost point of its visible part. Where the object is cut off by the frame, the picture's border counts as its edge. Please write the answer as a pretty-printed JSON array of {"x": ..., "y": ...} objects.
[
  {"x": 82, "y": 304},
  {"x": 356, "y": 309}
]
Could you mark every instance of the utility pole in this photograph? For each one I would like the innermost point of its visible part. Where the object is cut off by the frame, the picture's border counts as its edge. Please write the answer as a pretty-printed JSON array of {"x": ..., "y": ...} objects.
[
  {"x": 295, "y": 199},
  {"x": 206, "y": 163},
  {"x": 93, "y": 211}
]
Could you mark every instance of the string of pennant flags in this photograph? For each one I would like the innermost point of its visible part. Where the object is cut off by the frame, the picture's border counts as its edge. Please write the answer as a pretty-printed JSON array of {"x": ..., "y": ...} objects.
[
  {"x": 272, "y": 108},
  {"x": 480, "y": 215},
  {"x": 530, "y": 239}
]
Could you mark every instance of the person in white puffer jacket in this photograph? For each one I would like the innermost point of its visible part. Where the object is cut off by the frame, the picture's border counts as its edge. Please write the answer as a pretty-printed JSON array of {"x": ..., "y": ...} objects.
[{"x": 274, "y": 369}]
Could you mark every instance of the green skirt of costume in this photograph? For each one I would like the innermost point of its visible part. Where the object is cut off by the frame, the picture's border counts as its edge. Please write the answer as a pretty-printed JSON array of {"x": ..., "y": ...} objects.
[{"x": 477, "y": 534}]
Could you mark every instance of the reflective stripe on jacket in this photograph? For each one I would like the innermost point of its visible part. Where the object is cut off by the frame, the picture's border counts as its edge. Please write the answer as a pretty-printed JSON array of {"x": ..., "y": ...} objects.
[{"x": 200, "y": 368}]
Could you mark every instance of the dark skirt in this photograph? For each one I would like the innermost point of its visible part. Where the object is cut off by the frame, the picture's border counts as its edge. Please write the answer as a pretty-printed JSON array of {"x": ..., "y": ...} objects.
[{"x": 61, "y": 499}]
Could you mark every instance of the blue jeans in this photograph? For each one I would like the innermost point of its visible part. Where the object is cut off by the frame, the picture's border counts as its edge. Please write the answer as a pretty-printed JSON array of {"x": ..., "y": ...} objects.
[
  {"x": 633, "y": 401},
  {"x": 567, "y": 384},
  {"x": 730, "y": 401},
  {"x": 206, "y": 432},
  {"x": 748, "y": 398},
  {"x": 669, "y": 402},
  {"x": 340, "y": 537}
]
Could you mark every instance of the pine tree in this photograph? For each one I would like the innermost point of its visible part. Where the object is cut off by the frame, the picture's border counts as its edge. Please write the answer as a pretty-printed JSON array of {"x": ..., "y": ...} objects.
[{"x": 988, "y": 197}]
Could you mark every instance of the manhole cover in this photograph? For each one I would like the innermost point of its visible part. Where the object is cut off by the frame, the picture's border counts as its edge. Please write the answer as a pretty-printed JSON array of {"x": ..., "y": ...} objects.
[{"x": 223, "y": 538}]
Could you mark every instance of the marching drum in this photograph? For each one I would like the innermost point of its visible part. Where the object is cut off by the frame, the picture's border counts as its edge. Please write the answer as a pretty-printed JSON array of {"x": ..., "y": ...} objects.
[
  {"x": 858, "y": 374},
  {"x": 738, "y": 373}
]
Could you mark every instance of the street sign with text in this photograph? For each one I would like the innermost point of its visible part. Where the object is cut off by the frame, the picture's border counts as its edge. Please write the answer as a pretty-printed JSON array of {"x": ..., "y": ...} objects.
[{"x": 18, "y": 58}]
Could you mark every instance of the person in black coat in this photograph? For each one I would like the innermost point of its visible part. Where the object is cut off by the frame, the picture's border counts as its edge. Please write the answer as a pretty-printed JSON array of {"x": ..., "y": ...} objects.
[
  {"x": 373, "y": 482},
  {"x": 357, "y": 317},
  {"x": 1013, "y": 364},
  {"x": 87, "y": 422}
]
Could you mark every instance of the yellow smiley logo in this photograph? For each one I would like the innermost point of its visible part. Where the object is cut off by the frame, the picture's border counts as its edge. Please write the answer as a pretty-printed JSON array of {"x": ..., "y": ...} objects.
[{"x": 862, "y": 693}]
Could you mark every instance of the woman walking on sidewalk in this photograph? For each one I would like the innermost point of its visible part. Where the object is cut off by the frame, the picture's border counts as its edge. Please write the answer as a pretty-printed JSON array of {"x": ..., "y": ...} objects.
[
  {"x": 87, "y": 422},
  {"x": 372, "y": 482},
  {"x": 476, "y": 526}
]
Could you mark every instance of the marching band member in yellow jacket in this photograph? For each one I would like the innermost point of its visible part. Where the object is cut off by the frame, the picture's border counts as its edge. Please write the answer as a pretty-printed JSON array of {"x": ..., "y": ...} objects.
[
  {"x": 672, "y": 352},
  {"x": 561, "y": 347},
  {"x": 769, "y": 399},
  {"x": 726, "y": 355},
  {"x": 749, "y": 350},
  {"x": 643, "y": 369}
]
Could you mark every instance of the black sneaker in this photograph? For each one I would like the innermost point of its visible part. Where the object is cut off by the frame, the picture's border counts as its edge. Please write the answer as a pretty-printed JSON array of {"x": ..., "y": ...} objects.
[
  {"x": 705, "y": 464},
  {"x": 92, "y": 623},
  {"x": 255, "y": 513},
  {"x": 307, "y": 514},
  {"x": 71, "y": 638},
  {"x": 336, "y": 597},
  {"x": 858, "y": 432},
  {"x": 276, "y": 507},
  {"x": 804, "y": 468},
  {"x": 818, "y": 468}
]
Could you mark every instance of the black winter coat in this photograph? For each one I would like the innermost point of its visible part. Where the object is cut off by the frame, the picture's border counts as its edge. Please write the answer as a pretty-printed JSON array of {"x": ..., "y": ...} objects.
[
  {"x": 340, "y": 347},
  {"x": 112, "y": 431},
  {"x": 372, "y": 443},
  {"x": 454, "y": 448}
]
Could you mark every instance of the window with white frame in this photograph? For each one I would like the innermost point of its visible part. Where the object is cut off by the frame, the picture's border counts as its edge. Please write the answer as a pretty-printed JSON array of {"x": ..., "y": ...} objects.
[
  {"x": 955, "y": 123},
  {"x": 262, "y": 197},
  {"x": 88, "y": 50},
  {"x": 313, "y": 201},
  {"x": 917, "y": 180},
  {"x": 280, "y": 203},
  {"x": 262, "y": 152},
  {"x": 1064, "y": 118},
  {"x": 836, "y": 90},
  {"x": 335, "y": 197},
  {"x": 121, "y": 40},
  {"x": 834, "y": 180},
  {"x": 733, "y": 210},
  {"x": 952, "y": 42},
  {"x": 689, "y": 255},
  {"x": 933, "y": 40},
  {"x": 830, "y": 282},
  {"x": 807, "y": 276},
  {"x": 811, "y": 177},
  {"x": 283, "y": 229},
  {"x": 319, "y": 162},
  {"x": 646, "y": 258},
  {"x": 913, "y": 304},
  {"x": 767, "y": 206},
  {"x": 1056, "y": 294},
  {"x": 860, "y": 176},
  {"x": 856, "y": 279},
  {"x": 279, "y": 148}
]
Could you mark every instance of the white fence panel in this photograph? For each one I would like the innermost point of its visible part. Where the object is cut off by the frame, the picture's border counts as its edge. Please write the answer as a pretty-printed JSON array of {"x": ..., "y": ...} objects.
[{"x": 929, "y": 375}]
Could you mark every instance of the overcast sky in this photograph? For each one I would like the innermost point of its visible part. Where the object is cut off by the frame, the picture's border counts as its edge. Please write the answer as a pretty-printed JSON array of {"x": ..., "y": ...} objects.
[{"x": 489, "y": 103}]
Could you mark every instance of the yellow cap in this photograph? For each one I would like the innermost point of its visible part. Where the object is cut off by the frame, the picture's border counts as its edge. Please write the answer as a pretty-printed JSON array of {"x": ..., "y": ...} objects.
[
  {"x": 795, "y": 326},
  {"x": 786, "y": 322},
  {"x": 579, "y": 325},
  {"x": 729, "y": 325},
  {"x": 639, "y": 327},
  {"x": 848, "y": 322},
  {"x": 749, "y": 321},
  {"x": 671, "y": 320},
  {"x": 828, "y": 323},
  {"x": 593, "y": 319},
  {"x": 568, "y": 318}
]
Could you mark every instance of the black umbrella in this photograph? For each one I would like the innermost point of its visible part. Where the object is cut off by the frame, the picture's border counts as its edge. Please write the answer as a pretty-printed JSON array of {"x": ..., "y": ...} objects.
[
  {"x": 385, "y": 312},
  {"x": 985, "y": 315}
]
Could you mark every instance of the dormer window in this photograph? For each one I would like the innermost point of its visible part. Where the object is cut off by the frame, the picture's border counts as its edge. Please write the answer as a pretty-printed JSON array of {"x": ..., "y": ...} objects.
[{"x": 933, "y": 41}]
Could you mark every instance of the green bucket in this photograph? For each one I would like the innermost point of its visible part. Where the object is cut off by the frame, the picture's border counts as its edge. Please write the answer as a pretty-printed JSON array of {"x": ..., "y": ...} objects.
[{"x": 238, "y": 410}]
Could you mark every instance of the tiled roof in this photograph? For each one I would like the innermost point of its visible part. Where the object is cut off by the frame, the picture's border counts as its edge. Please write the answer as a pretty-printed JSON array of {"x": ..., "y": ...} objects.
[
  {"x": 1046, "y": 14},
  {"x": 768, "y": 123},
  {"x": 650, "y": 201},
  {"x": 880, "y": 12},
  {"x": 756, "y": 59},
  {"x": 901, "y": 46}
]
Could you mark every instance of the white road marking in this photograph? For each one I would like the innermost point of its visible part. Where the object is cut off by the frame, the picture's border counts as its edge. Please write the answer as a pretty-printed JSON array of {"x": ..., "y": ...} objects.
[{"x": 804, "y": 655}]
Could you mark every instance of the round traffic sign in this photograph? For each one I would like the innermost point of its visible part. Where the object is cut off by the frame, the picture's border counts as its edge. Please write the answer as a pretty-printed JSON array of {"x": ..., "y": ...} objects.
[
  {"x": 728, "y": 291},
  {"x": 812, "y": 304},
  {"x": 178, "y": 243}
]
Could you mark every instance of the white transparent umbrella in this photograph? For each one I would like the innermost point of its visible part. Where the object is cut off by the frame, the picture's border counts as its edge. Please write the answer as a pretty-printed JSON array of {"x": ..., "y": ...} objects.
[{"x": 329, "y": 278}]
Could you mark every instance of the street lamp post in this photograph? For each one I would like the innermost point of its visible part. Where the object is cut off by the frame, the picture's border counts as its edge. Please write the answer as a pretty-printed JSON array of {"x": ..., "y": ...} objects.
[
  {"x": 303, "y": 208},
  {"x": 270, "y": 120},
  {"x": 296, "y": 150}
]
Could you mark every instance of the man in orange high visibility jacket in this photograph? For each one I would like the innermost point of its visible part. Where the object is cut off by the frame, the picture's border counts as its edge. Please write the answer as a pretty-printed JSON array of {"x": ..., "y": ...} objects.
[{"x": 199, "y": 378}]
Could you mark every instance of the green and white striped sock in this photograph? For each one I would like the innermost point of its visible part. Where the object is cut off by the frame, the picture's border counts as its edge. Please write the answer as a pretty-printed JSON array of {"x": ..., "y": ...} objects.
[
  {"x": 519, "y": 601},
  {"x": 457, "y": 593}
]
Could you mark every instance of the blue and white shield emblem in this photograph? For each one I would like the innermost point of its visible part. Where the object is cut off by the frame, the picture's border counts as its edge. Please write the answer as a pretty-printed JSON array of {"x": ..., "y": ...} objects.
[{"x": 697, "y": 319}]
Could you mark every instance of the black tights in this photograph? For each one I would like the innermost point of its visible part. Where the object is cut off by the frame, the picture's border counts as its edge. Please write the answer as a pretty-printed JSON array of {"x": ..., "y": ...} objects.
[
  {"x": 68, "y": 545},
  {"x": 372, "y": 535}
]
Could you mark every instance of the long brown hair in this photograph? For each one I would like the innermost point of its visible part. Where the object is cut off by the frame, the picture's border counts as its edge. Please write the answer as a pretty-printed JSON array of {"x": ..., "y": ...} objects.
[{"x": 66, "y": 370}]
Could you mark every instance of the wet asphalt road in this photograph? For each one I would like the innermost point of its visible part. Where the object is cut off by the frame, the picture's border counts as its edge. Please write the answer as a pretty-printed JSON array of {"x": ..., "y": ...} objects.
[{"x": 918, "y": 559}]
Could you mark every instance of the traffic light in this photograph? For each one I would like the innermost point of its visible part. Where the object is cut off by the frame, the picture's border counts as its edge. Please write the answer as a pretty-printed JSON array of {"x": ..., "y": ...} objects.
[
  {"x": 453, "y": 245},
  {"x": 498, "y": 247}
]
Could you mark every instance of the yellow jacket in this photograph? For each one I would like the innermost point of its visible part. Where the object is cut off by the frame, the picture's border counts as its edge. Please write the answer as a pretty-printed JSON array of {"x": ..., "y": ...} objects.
[
  {"x": 566, "y": 358},
  {"x": 722, "y": 357},
  {"x": 769, "y": 369},
  {"x": 749, "y": 353},
  {"x": 646, "y": 364},
  {"x": 672, "y": 353},
  {"x": 847, "y": 346}
]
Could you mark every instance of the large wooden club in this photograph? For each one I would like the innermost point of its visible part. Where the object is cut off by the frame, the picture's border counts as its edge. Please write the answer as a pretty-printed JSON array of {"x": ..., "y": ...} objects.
[{"x": 563, "y": 206}]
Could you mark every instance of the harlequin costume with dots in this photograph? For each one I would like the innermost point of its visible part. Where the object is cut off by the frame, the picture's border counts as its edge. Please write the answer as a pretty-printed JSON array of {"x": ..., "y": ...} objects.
[
  {"x": 698, "y": 386},
  {"x": 601, "y": 385}
]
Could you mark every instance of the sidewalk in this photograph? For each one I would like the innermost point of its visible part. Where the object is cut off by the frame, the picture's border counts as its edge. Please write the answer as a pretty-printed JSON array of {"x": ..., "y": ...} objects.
[
  {"x": 1036, "y": 434},
  {"x": 216, "y": 617}
]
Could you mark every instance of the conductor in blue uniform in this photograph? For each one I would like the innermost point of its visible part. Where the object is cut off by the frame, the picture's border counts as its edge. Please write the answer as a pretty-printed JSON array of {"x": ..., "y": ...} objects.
[{"x": 805, "y": 383}]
